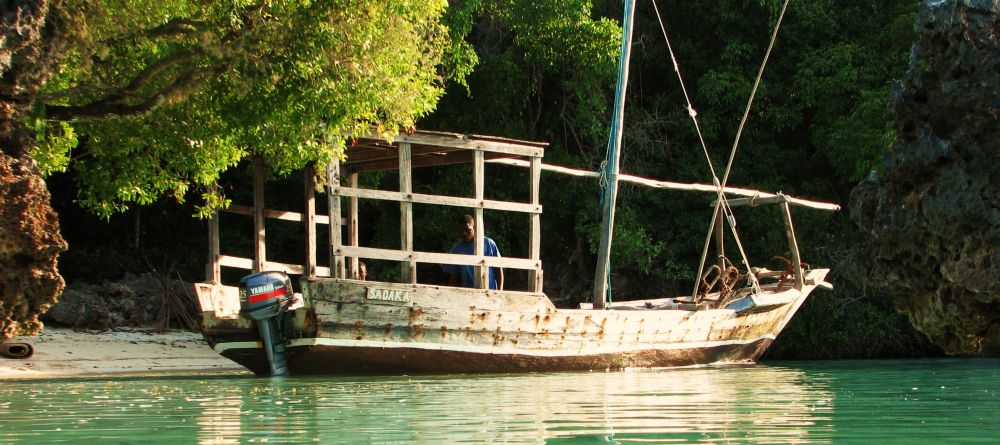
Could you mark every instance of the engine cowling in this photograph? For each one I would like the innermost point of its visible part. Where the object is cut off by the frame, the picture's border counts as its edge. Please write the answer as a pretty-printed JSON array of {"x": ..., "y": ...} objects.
[{"x": 265, "y": 295}]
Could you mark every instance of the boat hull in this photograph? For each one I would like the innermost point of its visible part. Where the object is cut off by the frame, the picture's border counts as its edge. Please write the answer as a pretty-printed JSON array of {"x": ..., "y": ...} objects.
[
  {"x": 368, "y": 360},
  {"x": 351, "y": 327}
]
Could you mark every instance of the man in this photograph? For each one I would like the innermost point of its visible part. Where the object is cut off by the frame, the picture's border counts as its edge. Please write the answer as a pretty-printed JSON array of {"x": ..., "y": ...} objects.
[
  {"x": 362, "y": 271},
  {"x": 465, "y": 276}
]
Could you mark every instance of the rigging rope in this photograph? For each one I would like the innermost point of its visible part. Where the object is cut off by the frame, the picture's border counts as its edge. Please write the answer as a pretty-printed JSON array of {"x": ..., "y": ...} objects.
[
  {"x": 690, "y": 107},
  {"x": 736, "y": 142},
  {"x": 720, "y": 186}
]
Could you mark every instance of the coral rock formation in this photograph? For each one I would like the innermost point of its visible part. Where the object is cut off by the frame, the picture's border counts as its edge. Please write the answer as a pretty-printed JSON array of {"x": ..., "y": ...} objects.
[
  {"x": 29, "y": 230},
  {"x": 932, "y": 217},
  {"x": 29, "y": 247}
]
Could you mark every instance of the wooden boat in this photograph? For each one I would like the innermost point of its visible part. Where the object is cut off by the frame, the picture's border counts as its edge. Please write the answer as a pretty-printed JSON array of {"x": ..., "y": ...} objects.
[
  {"x": 344, "y": 325},
  {"x": 339, "y": 324}
]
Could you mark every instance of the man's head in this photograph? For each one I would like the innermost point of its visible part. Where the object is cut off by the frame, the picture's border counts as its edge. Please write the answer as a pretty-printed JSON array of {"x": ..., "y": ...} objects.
[
  {"x": 466, "y": 228},
  {"x": 362, "y": 271}
]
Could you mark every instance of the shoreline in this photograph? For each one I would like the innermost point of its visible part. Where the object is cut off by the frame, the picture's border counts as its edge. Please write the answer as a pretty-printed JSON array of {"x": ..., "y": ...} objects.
[{"x": 63, "y": 352}]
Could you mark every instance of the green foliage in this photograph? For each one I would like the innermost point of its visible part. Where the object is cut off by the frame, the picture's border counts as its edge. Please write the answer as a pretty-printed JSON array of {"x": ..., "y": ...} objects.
[
  {"x": 166, "y": 96},
  {"x": 55, "y": 145}
]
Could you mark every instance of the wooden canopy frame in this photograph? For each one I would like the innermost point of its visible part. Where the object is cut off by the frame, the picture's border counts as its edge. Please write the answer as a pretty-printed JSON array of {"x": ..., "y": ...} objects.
[{"x": 404, "y": 153}]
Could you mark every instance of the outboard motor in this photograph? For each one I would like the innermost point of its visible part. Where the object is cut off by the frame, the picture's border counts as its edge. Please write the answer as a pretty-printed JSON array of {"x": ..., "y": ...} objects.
[{"x": 264, "y": 297}]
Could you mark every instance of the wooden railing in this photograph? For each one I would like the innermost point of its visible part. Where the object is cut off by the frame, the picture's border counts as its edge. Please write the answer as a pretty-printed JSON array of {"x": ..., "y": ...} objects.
[{"x": 344, "y": 253}]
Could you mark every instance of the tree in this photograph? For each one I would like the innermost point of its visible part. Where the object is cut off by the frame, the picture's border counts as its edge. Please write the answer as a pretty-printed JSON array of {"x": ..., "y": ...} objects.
[
  {"x": 168, "y": 97},
  {"x": 154, "y": 99}
]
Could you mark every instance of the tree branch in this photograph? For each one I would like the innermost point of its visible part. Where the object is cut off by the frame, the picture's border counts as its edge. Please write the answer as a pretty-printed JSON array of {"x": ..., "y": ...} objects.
[
  {"x": 156, "y": 68},
  {"x": 111, "y": 106}
]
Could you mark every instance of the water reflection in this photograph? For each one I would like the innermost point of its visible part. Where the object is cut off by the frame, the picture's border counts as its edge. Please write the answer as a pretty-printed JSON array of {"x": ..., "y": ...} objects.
[
  {"x": 220, "y": 421},
  {"x": 758, "y": 404},
  {"x": 883, "y": 402}
]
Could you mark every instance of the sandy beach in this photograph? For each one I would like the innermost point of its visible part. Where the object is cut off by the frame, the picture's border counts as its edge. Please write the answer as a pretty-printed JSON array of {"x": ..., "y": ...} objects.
[{"x": 63, "y": 352}]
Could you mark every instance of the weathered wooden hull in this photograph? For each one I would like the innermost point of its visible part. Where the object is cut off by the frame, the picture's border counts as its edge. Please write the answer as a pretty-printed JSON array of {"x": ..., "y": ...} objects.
[
  {"x": 355, "y": 359},
  {"x": 426, "y": 329}
]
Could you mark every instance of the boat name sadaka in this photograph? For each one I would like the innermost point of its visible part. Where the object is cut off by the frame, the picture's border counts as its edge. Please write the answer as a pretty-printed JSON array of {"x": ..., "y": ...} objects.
[{"x": 400, "y": 296}]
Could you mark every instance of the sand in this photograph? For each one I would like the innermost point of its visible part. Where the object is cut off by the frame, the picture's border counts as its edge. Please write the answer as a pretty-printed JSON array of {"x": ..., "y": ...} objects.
[{"x": 64, "y": 352}]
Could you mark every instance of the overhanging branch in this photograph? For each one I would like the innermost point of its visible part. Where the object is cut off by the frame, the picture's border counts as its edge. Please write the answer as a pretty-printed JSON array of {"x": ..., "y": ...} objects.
[{"x": 112, "y": 106}]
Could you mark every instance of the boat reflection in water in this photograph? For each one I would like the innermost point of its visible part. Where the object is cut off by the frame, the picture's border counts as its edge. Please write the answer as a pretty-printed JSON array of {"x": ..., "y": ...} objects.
[{"x": 752, "y": 404}]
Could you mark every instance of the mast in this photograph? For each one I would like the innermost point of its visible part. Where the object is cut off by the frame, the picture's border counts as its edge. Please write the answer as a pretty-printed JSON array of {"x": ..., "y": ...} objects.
[{"x": 602, "y": 274}]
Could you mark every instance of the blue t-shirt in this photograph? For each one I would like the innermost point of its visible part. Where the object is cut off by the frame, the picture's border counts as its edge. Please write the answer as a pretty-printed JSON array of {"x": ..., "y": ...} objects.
[{"x": 468, "y": 273}]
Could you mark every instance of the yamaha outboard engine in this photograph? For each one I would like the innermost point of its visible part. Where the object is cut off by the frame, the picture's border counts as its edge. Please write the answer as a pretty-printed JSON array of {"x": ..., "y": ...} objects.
[{"x": 264, "y": 297}]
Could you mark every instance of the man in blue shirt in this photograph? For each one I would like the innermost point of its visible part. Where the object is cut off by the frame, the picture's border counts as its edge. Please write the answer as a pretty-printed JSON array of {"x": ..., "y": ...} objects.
[{"x": 465, "y": 276}]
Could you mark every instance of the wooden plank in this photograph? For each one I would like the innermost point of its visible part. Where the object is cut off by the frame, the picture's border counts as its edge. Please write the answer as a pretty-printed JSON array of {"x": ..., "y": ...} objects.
[
  {"x": 454, "y": 201},
  {"x": 259, "y": 251},
  {"x": 408, "y": 271},
  {"x": 428, "y": 160},
  {"x": 535, "y": 237},
  {"x": 479, "y": 185},
  {"x": 236, "y": 262},
  {"x": 496, "y": 145},
  {"x": 756, "y": 201},
  {"x": 275, "y": 214},
  {"x": 310, "y": 220},
  {"x": 333, "y": 180},
  {"x": 368, "y": 154},
  {"x": 670, "y": 185},
  {"x": 213, "y": 274},
  {"x": 352, "y": 224},
  {"x": 793, "y": 245},
  {"x": 439, "y": 258}
]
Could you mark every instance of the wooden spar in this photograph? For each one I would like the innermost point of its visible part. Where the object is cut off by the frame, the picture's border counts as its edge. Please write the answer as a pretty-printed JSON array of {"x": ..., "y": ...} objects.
[
  {"x": 793, "y": 245},
  {"x": 275, "y": 214},
  {"x": 720, "y": 237},
  {"x": 247, "y": 264},
  {"x": 750, "y": 193},
  {"x": 333, "y": 206},
  {"x": 462, "y": 142},
  {"x": 439, "y": 258},
  {"x": 259, "y": 251},
  {"x": 479, "y": 184},
  {"x": 213, "y": 271},
  {"x": 535, "y": 239},
  {"x": 419, "y": 198},
  {"x": 352, "y": 225},
  {"x": 408, "y": 268},
  {"x": 310, "y": 221},
  {"x": 611, "y": 192}
]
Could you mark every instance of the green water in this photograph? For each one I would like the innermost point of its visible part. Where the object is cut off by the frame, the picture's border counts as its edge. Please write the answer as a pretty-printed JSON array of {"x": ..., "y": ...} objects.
[{"x": 865, "y": 402}]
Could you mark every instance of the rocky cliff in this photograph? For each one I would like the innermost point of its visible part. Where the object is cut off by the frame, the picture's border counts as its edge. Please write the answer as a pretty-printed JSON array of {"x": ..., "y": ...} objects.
[
  {"x": 30, "y": 242},
  {"x": 932, "y": 216},
  {"x": 29, "y": 248}
]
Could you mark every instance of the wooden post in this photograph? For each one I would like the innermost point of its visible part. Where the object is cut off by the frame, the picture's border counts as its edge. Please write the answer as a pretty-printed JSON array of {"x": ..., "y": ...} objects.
[
  {"x": 535, "y": 239},
  {"x": 213, "y": 271},
  {"x": 409, "y": 268},
  {"x": 310, "y": 221},
  {"x": 333, "y": 205},
  {"x": 352, "y": 223},
  {"x": 793, "y": 245},
  {"x": 720, "y": 237},
  {"x": 259, "y": 253},
  {"x": 479, "y": 179}
]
